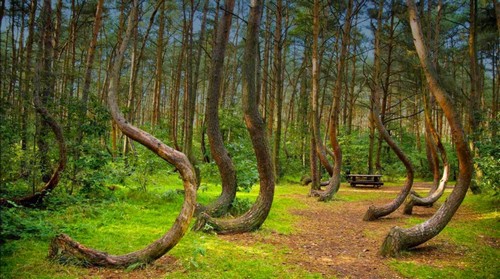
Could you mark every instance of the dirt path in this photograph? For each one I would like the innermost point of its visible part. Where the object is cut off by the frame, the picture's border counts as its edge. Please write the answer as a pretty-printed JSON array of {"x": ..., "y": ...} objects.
[{"x": 332, "y": 239}]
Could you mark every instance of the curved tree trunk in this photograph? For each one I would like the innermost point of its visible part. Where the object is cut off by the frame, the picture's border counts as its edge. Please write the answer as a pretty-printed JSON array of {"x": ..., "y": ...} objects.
[
  {"x": 375, "y": 212},
  {"x": 439, "y": 187},
  {"x": 334, "y": 183},
  {"x": 400, "y": 239},
  {"x": 217, "y": 148},
  {"x": 252, "y": 219},
  {"x": 44, "y": 81},
  {"x": 64, "y": 249}
]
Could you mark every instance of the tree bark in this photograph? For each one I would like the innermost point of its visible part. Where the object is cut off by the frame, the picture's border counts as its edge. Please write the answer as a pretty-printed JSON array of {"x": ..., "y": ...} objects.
[
  {"x": 159, "y": 68},
  {"x": 474, "y": 97},
  {"x": 219, "y": 152},
  {"x": 316, "y": 131},
  {"x": 401, "y": 239},
  {"x": 278, "y": 84},
  {"x": 66, "y": 250},
  {"x": 255, "y": 217}
]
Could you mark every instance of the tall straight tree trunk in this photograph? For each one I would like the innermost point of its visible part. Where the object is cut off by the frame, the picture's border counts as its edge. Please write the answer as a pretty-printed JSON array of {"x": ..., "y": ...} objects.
[
  {"x": 64, "y": 249},
  {"x": 82, "y": 112},
  {"x": 401, "y": 239},
  {"x": 386, "y": 86},
  {"x": 27, "y": 88},
  {"x": 159, "y": 68},
  {"x": 219, "y": 152},
  {"x": 278, "y": 82},
  {"x": 316, "y": 131},
  {"x": 474, "y": 97},
  {"x": 255, "y": 217},
  {"x": 264, "y": 89}
]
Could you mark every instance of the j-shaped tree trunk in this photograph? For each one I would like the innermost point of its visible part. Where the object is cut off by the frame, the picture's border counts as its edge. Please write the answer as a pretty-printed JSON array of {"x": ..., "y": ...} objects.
[
  {"x": 219, "y": 153},
  {"x": 400, "y": 239},
  {"x": 44, "y": 84},
  {"x": 440, "y": 185},
  {"x": 66, "y": 250},
  {"x": 375, "y": 212},
  {"x": 334, "y": 183},
  {"x": 255, "y": 217}
]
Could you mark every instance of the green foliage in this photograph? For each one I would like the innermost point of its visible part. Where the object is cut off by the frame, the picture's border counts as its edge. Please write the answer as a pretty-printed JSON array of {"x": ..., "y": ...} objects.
[
  {"x": 489, "y": 164},
  {"x": 240, "y": 206}
]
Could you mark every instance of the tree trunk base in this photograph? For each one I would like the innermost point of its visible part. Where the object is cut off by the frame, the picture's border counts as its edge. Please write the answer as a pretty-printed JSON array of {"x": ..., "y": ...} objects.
[
  {"x": 393, "y": 243},
  {"x": 370, "y": 214},
  {"x": 408, "y": 210},
  {"x": 65, "y": 250}
]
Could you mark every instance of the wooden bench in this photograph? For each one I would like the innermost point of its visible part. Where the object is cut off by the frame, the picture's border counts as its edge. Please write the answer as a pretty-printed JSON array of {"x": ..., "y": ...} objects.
[{"x": 365, "y": 179}]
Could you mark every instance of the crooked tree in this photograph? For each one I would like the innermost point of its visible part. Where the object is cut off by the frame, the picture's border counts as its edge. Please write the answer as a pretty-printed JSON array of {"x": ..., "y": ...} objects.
[
  {"x": 65, "y": 249},
  {"x": 400, "y": 239},
  {"x": 219, "y": 152},
  {"x": 255, "y": 217}
]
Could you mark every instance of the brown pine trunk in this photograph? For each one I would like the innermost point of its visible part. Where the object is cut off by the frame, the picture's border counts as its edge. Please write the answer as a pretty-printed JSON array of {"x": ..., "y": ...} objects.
[
  {"x": 316, "y": 132},
  {"x": 66, "y": 250},
  {"x": 219, "y": 153},
  {"x": 252, "y": 219},
  {"x": 278, "y": 84},
  {"x": 474, "y": 97},
  {"x": 159, "y": 68},
  {"x": 401, "y": 239}
]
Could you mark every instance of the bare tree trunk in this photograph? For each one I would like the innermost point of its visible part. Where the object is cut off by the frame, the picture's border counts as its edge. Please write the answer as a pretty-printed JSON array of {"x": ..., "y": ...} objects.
[
  {"x": 316, "y": 132},
  {"x": 159, "y": 68},
  {"x": 278, "y": 82},
  {"x": 252, "y": 219},
  {"x": 217, "y": 148},
  {"x": 401, "y": 239},
  {"x": 475, "y": 93},
  {"x": 66, "y": 250},
  {"x": 82, "y": 112}
]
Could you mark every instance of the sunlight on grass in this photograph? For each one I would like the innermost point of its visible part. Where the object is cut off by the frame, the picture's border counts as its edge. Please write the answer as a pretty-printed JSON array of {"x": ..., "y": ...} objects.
[{"x": 132, "y": 219}]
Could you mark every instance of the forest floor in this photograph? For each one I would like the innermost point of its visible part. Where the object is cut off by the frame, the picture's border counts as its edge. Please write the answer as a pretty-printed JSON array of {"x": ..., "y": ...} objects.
[
  {"x": 335, "y": 241},
  {"x": 302, "y": 238}
]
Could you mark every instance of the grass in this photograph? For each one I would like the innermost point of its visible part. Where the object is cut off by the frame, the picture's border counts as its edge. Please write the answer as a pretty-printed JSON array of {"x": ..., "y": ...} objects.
[
  {"x": 130, "y": 219},
  {"x": 472, "y": 236}
]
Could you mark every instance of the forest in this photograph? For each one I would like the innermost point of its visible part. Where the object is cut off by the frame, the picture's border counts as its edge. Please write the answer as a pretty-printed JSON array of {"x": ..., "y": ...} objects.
[{"x": 249, "y": 139}]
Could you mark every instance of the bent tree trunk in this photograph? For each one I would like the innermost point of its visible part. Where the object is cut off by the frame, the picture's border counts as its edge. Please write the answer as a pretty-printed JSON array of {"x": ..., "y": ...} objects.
[
  {"x": 255, "y": 217},
  {"x": 375, "y": 212},
  {"x": 44, "y": 81},
  {"x": 398, "y": 238},
  {"x": 66, "y": 250},
  {"x": 219, "y": 152},
  {"x": 334, "y": 183},
  {"x": 439, "y": 187}
]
